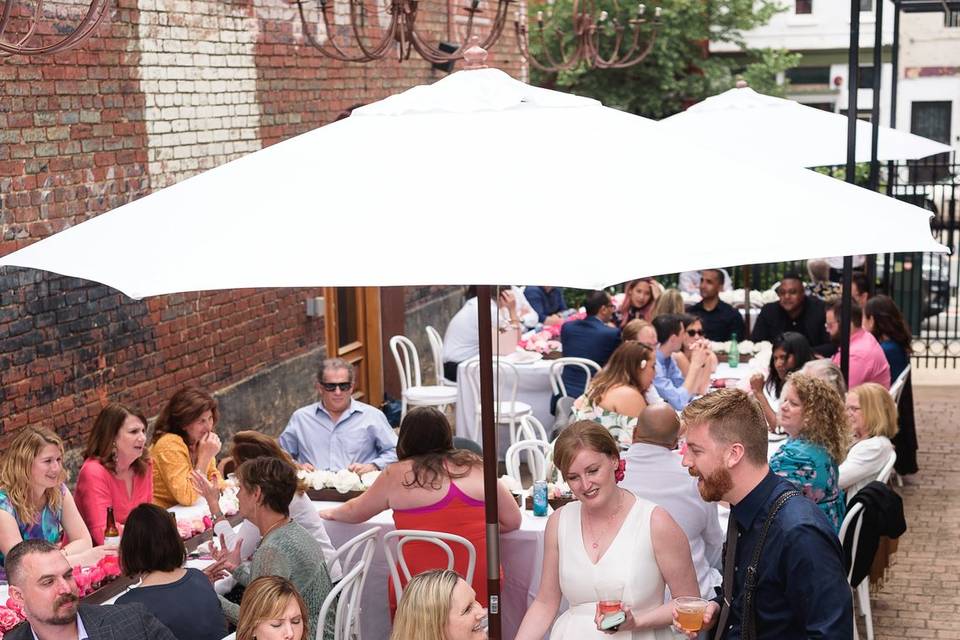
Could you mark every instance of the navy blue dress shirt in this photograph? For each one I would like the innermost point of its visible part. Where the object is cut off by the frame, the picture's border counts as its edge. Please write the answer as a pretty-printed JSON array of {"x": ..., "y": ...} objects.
[
  {"x": 802, "y": 589},
  {"x": 811, "y": 322},
  {"x": 545, "y": 303},
  {"x": 721, "y": 322},
  {"x": 587, "y": 338}
]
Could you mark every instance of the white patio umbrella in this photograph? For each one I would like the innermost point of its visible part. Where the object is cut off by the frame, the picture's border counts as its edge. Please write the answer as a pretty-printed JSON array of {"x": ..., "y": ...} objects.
[
  {"x": 477, "y": 178},
  {"x": 744, "y": 122}
]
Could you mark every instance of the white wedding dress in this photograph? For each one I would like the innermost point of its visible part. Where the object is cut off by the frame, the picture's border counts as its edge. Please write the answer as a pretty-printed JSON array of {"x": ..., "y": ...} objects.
[{"x": 629, "y": 561}]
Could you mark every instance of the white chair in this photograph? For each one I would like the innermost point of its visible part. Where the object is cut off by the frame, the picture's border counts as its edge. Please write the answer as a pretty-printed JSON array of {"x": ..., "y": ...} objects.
[
  {"x": 536, "y": 453},
  {"x": 436, "y": 349},
  {"x": 588, "y": 366},
  {"x": 887, "y": 469},
  {"x": 405, "y": 536},
  {"x": 346, "y": 616},
  {"x": 360, "y": 548},
  {"x": 532, "y": 429},
  {"x": 861, "y": 592},
  {"x": 413, "y": 392},
  {"x": 506, "y": 408},
  {"x": 896, "y": 389}
]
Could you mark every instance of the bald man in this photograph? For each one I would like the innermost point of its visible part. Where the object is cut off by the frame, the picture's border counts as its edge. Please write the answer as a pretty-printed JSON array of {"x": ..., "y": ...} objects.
[{"x": 654, "y": 472}]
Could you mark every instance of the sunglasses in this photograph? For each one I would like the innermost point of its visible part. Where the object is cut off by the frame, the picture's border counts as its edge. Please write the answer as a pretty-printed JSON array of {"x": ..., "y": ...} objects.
[
  {"x": 694, "y": 332},
  {"x": 332, "y": 386}
]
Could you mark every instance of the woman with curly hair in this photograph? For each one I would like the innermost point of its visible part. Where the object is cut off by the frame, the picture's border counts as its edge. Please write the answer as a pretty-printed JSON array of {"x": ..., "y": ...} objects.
[
  {"x": 814, "y": 417},
  {"x": 617, "y": 394},
  {"x": 433, "y": 487}
]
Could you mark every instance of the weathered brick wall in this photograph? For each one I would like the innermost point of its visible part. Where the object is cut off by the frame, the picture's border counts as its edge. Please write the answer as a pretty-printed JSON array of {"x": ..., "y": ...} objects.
[{"x": 166, "y": 89}]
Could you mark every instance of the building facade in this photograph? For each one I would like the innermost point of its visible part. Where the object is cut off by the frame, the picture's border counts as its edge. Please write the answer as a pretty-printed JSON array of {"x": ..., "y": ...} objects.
[{"x": 166, "y": 89}]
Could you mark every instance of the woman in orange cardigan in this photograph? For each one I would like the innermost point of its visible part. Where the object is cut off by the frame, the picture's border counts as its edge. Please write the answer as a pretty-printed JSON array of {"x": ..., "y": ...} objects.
[{"x": 184, "y": 440}]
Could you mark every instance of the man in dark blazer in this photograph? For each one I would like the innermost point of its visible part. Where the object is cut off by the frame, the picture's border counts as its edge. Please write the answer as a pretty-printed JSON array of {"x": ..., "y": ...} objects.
[
  {"x": 42, "y": 585},
  {"x": 589, "y": 338}
]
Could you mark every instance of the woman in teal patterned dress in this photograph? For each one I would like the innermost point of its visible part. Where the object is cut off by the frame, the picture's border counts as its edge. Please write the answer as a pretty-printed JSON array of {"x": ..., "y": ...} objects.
[
  {"x": 812, "y": 414},
  {"x": 615, "y": 397},
  {"x": 34, "y": 501}
]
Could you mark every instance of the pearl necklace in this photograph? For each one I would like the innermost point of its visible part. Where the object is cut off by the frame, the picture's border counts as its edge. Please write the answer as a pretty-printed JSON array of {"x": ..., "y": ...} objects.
[{"x": 596, "y": 544}]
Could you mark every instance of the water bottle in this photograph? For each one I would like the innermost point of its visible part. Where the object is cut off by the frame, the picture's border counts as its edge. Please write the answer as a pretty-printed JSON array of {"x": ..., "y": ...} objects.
[
  {"x": 540, "y": 498},
  {"x": 733, "y": 355}
]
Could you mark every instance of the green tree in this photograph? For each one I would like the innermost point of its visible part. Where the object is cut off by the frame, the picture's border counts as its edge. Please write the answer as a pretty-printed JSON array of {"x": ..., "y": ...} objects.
[{"x": 678, "y": 70}]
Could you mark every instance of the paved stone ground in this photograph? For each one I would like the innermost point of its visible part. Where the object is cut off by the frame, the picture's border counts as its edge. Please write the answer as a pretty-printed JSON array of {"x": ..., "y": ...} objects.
[{"x": 921, "y": 597}]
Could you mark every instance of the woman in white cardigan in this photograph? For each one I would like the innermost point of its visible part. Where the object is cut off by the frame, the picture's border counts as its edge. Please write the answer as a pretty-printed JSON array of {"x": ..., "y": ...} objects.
[{"x": 873, "y": 421}]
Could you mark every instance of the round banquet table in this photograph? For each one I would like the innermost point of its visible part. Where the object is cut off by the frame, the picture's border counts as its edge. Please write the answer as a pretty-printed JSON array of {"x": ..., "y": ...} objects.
[
  {"x": 533, "y": 388},
  {"x": 521, "y": 556}
]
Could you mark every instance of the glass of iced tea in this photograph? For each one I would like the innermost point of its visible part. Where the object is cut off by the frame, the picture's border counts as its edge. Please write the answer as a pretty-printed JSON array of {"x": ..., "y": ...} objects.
[
  {"x": 609, "y": 598},
  {"x": 690, "y": 613}
]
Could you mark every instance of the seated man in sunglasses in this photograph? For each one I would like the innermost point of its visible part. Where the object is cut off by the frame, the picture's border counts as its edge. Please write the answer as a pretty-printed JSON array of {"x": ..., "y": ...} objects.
[
  {"x": 673, "y": 386},
  {"x": 339, "y": 432}
]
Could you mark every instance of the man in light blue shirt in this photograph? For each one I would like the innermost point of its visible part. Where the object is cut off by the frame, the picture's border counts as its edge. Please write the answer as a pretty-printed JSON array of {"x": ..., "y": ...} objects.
[
  {"x": 339, "y": 432},
  {"x": 669, "y": 380}
]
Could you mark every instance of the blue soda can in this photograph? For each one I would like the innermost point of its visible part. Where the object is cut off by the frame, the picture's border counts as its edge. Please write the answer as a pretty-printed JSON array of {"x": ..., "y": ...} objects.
[{"x": 540, "y": 498}]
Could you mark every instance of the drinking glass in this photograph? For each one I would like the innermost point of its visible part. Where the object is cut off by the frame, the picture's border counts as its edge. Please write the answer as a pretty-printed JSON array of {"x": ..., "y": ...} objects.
[
  {"x": 690, "y": 613},
  {"x": 609, "y": 597}
]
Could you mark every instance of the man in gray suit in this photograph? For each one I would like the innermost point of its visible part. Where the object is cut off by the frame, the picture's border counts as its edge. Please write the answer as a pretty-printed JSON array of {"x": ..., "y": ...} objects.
[{"x": 42, "y": 585}]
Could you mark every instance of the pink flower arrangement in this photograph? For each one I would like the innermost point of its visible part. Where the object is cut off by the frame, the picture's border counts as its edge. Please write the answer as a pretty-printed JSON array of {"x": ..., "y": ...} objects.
[
  {"x": 541, "y": 342},
  {"x": 189, "y": 528},
  {"x": 10, "y": 616},
  {"x": 89, "y": 579}
]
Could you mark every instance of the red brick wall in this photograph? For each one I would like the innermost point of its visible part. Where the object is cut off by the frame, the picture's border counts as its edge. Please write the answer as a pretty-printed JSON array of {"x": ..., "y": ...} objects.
[{"x": 158, "y": 95}]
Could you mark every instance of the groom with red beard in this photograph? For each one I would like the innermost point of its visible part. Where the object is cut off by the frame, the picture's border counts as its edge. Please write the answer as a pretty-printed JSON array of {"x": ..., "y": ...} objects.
[{"x": 783, "y": 575}]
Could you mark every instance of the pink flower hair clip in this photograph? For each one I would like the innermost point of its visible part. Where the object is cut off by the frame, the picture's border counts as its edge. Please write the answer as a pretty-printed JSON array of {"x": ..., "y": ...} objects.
[{"x": 621, "y": 467}]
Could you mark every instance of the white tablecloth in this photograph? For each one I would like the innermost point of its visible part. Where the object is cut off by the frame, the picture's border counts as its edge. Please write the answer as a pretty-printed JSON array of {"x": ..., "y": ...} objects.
[
  {"x": 532, "y": 388},
  {"x": 521, "y": 556}
]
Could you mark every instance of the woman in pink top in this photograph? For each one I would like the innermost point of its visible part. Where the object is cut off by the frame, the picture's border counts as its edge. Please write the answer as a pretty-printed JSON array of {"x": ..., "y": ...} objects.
[
  {"x": 433, "y": 487},
  {"x": 116, "y": 471}
]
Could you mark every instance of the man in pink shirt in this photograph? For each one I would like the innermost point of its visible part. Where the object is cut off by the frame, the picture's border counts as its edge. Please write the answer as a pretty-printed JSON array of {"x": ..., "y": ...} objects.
[{"x": 867, "y": 361}]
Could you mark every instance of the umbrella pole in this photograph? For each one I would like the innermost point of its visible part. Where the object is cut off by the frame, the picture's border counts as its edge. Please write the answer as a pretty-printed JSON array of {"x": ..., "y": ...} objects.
[
  {"x": 490, "y": 457},
  {"x": 853, "y": 67}
]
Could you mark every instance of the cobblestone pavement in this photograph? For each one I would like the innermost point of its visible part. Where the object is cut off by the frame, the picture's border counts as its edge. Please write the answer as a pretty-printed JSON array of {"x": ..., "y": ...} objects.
[{"x": 921, "y": 597}]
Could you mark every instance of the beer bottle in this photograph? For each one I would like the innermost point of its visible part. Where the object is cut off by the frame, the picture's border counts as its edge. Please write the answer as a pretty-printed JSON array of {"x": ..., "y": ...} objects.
[{"x": 111, "y": 535}]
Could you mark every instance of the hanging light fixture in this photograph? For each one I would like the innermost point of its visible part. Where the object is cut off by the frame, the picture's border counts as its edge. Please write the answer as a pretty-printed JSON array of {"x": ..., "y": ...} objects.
[
  {"x": 28, "y": 22},
  {"x": 399, "y": 35},
  {"x": 597, "y": 39}
]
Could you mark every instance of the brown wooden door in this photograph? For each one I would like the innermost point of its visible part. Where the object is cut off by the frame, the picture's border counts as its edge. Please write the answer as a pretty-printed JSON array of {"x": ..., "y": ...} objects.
[{"x": 353, "y": 333}]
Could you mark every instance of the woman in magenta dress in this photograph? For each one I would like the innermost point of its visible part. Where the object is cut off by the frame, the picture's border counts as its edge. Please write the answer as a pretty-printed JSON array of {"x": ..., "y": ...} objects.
[
  {"x": 116, "y": 470},
  {"x": 433, "y": 487}
]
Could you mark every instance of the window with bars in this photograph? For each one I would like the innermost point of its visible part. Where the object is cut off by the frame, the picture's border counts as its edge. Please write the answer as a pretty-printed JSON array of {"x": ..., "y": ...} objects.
[{"x": 803, "y": 7}]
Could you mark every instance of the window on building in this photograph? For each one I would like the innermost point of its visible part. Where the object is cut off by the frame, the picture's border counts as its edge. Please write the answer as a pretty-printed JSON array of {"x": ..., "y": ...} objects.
[
  {"x": 809, "y": 75},
  {"x": 951, "y": 19},
  {"x": 865, "y": 78},
  {"x": 931, "y": 120},
  {"x": 866, "y": 6},
  {"x": 803, "y": 6}
]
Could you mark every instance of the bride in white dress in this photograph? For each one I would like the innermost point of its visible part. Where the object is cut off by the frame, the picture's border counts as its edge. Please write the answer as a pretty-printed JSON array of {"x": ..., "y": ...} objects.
[{"x": 608, "y": 537}]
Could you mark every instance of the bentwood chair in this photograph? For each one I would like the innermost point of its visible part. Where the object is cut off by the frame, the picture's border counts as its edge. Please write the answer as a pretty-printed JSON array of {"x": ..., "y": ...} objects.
[
  {"x": 896, "y": 390},
  {"x": 397, "y": 562},
  {"x": 532, "y": 429},
  {"x": 586, "y": 365},
  {"x": 536, "y": 453},
  {"x": 355, "y": 556},
  {"x": 506, "y": 408},
  {"x": 413, "y": 392},
  {"x": 436, "y": 350},
  {"x": 861, "y": 592}
]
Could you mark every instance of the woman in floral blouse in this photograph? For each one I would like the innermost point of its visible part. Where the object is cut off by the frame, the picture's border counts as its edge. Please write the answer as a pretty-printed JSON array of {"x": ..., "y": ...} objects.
[{"x": 813, "y": 415}]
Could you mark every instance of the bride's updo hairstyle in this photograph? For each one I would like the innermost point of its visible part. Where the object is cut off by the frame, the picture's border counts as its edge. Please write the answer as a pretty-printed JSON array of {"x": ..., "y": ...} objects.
[{"x": 585, "y": 434}]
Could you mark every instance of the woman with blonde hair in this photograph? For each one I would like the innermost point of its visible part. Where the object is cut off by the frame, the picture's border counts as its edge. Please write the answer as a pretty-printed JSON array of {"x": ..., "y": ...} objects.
[
  {"x": 639, "y": 298},
  {"x": 184, "y": 440},
  {"x": 617, "y": 395},
  {"x": 439, "y": 605},
  {"x": 669, "y": 302},
  {"x": 117, "y": 471},
  {"x": 873, "y": 423},
  {"x": 272, "y": 609},
  {"x": 812, "y": 414},
  {"x": 607, "y": 539},
  {"x": 35, "y": 503},
  {"x": 248, "y": 445}
]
